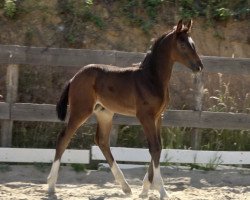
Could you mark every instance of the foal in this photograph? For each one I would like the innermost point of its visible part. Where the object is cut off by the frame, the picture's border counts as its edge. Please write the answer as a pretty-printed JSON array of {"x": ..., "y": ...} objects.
[{"x": 140, "y": 91}]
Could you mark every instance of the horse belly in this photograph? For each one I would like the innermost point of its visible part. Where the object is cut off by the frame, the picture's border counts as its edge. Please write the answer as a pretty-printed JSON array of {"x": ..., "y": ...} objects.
[{"x": 117, "y": 106}]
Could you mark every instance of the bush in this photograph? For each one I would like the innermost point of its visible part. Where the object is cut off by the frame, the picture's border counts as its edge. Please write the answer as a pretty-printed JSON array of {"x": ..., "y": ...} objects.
[
  {"x": 142, "y": 13},
  {"x": 10, "y": 8},
  {"x": 214, "y": 9}
]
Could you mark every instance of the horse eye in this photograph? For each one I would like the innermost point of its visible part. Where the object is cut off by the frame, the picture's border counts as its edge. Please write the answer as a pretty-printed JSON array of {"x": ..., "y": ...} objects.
[{"x": 182, "y": 45}]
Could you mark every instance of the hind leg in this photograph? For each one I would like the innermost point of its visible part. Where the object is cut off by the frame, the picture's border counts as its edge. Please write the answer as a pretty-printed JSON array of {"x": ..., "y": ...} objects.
[
  {"x": 75, "y": 121},
  {"x": 104, "y": 118}
]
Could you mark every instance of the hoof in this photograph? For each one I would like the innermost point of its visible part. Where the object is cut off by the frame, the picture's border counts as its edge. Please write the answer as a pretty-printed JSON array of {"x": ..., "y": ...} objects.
[
  {"x": 51, "y": 190},
  {"x": 164, "y": 194},
  {"x": 51, "y": 186},
  {"x": 127, "y": 189},
  {"x": 143, "y": 195}
]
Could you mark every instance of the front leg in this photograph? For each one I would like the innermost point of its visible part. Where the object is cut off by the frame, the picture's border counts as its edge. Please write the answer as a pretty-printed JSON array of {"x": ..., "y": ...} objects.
[{"x": 153, "y": 179}]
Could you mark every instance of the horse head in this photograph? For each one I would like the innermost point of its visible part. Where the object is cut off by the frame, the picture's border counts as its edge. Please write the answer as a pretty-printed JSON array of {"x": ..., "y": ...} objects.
[{"x": 184, "y": 50}]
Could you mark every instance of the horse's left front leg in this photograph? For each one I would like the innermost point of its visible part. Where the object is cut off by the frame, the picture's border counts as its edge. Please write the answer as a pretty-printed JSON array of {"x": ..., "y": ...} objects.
[{"x": 153, "y": 179}]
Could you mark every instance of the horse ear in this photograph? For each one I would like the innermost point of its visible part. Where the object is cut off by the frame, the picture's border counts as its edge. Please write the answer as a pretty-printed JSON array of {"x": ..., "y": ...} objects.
[
  {"x": 179, "y": 26},
  {"x": 189, "y": 25}
]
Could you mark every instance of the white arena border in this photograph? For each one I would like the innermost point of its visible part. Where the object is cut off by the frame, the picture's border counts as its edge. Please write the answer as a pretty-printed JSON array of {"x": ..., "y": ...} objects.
[
  {"x": 176, "y": 156},
  {"x": 26, "y": 155},
  {"x": 137, "y": 155}
]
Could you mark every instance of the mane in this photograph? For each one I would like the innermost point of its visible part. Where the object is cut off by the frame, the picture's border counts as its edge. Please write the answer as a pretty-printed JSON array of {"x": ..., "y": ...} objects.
[{"x": 150, "y": 56}]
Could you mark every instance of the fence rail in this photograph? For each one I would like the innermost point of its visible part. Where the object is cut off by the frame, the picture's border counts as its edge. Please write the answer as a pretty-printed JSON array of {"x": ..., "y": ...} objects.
[
  {"x": 28, "y": 155},
  {"x": 13, "y": 54},
  {"x": 182, "y": 118},
  {"x": 176, "y": 156}
]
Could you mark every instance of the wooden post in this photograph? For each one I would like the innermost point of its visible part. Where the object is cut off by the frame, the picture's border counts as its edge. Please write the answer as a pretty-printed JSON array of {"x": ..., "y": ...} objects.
[
  {"x": 11, "y": 97},
  {"x": 199, "y": 87}
]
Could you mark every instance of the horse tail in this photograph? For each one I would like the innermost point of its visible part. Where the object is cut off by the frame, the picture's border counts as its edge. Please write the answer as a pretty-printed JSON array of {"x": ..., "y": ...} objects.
[{"x": 61, "y": 106}]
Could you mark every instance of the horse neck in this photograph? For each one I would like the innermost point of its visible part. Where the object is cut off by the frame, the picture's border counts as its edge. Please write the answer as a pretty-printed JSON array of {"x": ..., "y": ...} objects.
[
  {"x": 163, "y": 63},
  {"x": 164, "y": 68}
]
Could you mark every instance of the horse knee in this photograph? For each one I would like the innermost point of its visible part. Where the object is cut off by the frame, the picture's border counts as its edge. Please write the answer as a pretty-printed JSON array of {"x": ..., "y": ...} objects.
[{"x": 155, "y": 150}]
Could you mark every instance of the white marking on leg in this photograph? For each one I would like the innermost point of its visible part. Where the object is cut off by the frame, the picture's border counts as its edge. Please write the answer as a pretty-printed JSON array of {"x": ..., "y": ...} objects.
[
  {"x": 158, "y": 184},
  {"x": 52, "y": 178},
  {"x": 145, "y": 187},
  {"x": 119, "y": 177}
]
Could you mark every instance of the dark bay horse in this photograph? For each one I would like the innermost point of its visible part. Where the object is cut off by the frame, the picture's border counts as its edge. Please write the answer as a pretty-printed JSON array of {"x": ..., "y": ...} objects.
[{"x": 140, "y": 91}]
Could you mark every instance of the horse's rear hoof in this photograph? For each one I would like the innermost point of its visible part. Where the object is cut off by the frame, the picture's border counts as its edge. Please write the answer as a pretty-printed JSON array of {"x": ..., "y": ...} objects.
[
  {"x": 51, "y": 190},
  {"x": 143, "y": 195},
  {"x": 51, "y": 186},
  {"x": 164, "y": 194},
  {"x": 127, "y": 190}
]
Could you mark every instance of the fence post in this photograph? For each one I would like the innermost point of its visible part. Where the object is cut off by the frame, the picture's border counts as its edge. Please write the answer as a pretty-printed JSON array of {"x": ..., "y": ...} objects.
[
  {"x": 198, "y": 94},
  {"x": 11, "y": 97}
]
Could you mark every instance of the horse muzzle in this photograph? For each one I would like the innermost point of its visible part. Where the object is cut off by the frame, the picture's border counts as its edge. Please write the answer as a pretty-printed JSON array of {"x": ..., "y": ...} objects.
[{"x": 197, "y": 67}]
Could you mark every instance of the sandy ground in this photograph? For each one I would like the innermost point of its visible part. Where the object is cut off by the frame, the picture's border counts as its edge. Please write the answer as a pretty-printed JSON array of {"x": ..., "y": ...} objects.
[{"x": 27, "y": 182}]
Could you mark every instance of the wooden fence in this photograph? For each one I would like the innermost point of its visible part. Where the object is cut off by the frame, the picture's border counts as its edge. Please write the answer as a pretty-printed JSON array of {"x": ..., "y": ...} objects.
[{"x": 13, "y": 56}]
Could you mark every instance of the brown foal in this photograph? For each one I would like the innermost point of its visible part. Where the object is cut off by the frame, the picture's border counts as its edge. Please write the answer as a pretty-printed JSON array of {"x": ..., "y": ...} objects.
[{"x": 140, "y": 91}]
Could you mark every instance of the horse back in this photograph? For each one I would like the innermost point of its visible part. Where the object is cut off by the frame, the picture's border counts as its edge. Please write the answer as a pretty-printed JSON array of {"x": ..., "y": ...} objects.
[{"x": 113, "y": 87}]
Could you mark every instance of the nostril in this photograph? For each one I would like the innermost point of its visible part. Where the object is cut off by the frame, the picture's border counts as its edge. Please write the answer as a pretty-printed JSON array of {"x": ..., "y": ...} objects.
[{"x": 200, "y": 67}]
